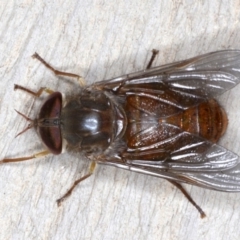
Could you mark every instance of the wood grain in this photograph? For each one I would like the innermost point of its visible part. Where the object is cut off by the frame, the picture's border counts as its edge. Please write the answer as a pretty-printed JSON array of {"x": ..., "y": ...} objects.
[{"x": 101, "y": 39}]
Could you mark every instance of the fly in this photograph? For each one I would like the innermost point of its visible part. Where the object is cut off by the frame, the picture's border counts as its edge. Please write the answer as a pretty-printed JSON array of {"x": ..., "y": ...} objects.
[{"x": 162, "y": 121}]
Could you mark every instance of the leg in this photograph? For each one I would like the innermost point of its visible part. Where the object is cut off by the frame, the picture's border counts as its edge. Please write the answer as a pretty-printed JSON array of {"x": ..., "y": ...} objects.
[
  {"x": 36, "y": 94},
  {"x": 154, "y": 54},
  {"x": 56, "y": 72},
  {"x": 180, "y": 187},
  {"x": 69, "y": 192},
  {"x": 37, "y": 155}
]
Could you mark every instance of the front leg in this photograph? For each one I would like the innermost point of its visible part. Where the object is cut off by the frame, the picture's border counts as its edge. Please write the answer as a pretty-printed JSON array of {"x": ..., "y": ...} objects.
[
  {"x": 35, "y": 94},
  {"x": 57, "y": 72}
]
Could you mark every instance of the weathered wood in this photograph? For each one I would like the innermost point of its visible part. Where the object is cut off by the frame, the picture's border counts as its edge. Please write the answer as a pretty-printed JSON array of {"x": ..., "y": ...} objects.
[{"x": 98, "y": 40}]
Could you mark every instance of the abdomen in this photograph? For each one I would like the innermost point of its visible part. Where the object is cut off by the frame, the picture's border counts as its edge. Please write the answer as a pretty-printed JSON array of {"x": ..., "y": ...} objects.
[{"x": 155, "y": 130}]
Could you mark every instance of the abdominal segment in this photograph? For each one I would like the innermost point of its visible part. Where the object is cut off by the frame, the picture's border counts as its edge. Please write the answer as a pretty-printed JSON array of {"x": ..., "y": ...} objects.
[{"x": 156, "y": 128}]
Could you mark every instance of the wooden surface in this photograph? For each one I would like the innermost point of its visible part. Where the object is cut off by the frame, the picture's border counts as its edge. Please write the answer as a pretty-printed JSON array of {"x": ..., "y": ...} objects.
[{"x": 102, "y": 39}]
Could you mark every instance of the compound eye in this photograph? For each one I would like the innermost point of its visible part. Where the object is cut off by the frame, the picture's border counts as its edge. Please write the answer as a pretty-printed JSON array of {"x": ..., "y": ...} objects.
[{"x": 51, "y": 135}]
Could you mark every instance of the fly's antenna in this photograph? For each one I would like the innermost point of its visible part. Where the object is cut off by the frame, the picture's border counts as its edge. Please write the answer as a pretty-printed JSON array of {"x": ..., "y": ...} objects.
[{"x": 30, "y": 125}]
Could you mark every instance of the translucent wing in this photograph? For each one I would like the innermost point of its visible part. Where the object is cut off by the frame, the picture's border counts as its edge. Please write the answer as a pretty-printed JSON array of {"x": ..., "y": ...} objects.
[
  {"x": 192, "y": 160},
  {"x": 190, "y": 81},
  {"x": 225, "y": 180},
  {"x": 171, "y": 152}
]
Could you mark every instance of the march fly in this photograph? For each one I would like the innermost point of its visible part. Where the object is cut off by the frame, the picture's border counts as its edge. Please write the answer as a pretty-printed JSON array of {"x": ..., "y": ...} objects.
[{"x": 162, "y": 121}]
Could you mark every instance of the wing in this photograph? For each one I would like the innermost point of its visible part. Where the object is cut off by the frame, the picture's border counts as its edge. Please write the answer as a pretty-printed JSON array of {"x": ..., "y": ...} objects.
[
  {"x": 175, "y": 154},
  {"x": 226, "y": 181},
  {"x": 190, "y": 81},
  {"x": 184, "y": 157}
]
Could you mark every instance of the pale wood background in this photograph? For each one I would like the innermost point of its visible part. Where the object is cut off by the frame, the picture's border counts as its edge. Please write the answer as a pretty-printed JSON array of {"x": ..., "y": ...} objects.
[{"x": 100, "y": 39}]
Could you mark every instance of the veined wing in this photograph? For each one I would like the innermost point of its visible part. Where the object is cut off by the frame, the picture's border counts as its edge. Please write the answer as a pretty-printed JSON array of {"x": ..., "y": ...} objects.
[
  {"x": 194, "y": 160},
  {"x": 190, "y": 81}
]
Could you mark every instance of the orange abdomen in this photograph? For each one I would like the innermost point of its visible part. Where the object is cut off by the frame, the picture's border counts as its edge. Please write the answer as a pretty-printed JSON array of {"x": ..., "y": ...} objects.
[
  {"x": 207, "y": 120},
  {"x": 156, "y": 129}
]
